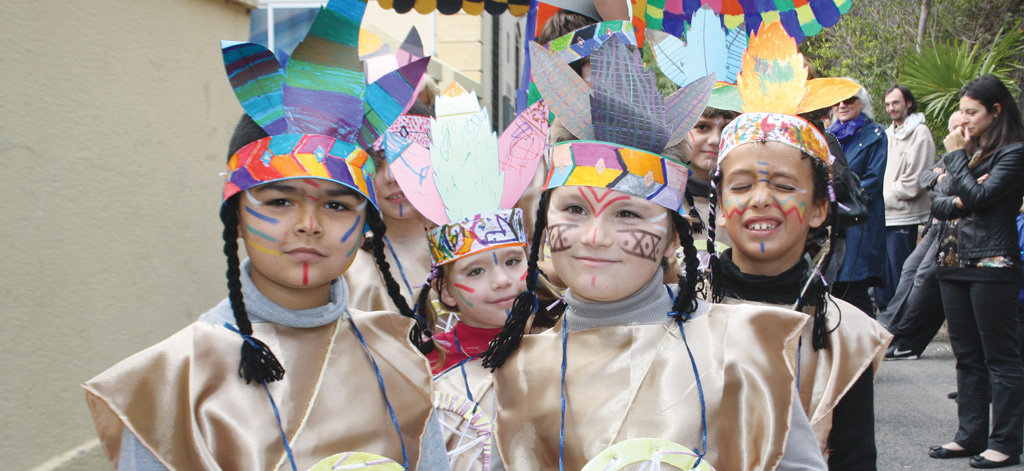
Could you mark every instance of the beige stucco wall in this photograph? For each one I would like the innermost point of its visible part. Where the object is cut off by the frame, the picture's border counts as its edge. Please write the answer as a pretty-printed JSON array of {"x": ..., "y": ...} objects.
[{"x": 114, "y": 123}]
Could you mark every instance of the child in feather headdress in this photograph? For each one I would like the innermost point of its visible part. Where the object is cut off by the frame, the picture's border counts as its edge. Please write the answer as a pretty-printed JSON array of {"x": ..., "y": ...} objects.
[
  {"x": 773, "y": 179},
  {"x": 636, "y": 371},
  {"x": 282, "y": 374}
]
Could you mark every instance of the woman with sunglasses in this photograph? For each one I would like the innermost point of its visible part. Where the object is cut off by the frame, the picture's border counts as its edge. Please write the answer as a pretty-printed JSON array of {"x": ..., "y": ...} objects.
[{"x": 864, "y": 143}]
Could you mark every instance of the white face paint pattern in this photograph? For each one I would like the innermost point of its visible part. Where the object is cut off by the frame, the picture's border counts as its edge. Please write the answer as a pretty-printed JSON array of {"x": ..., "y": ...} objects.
[
  {"x": 657, "y": 219},
  {"x": 253, "y": 201}
]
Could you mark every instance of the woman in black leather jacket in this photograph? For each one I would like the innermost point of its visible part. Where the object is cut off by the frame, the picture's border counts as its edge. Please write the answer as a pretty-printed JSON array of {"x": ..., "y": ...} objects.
[{"x": 980, "y": 273}]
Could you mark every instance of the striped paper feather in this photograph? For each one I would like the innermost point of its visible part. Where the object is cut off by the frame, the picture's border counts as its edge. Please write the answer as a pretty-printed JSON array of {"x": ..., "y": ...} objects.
[{"x": 256, "y": 78}]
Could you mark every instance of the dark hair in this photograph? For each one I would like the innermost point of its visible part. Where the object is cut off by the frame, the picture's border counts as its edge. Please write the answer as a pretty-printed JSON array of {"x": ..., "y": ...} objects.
[
  {"x": 561, "y": 23},
  {"x": 712, "y": 113},
  {"x": 817, "y": 291},
  {"x": 907, "y": 97},
  {"x": 1006, "y": 128},
  {"x": 526, "y": 304}
]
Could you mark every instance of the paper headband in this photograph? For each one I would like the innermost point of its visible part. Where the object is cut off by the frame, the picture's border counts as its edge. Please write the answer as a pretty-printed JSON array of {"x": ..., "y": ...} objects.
[
  {"x": 774, "y": 127},
  {"x": 300, "y": 156},
  {"x": 488, "y": 231},
  {"x": 632, "y": 171}
]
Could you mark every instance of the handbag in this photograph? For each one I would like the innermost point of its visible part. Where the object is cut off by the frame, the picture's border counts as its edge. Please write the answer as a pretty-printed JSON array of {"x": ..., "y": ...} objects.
[{"x": 850, "y": 197}]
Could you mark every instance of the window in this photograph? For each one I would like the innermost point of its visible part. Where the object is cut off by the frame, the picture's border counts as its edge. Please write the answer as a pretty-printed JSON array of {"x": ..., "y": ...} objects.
[{"x": 281, "y": 25}]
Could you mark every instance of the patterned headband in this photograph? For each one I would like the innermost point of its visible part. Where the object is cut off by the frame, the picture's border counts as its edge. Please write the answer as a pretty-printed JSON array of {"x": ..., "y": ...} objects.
[
  {"x": 488, "y": 231},
  {"x": 774, "y": 127},
  {"x": 632, "y": 171}
]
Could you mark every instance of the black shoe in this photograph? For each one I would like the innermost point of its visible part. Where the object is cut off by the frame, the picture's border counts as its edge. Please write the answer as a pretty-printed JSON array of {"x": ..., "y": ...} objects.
[
  {"x": 940, "y": 452},
  {"x": 896, "y": 353},
  {"x": 984, "y": 463},
  {"x": 953, "y": 395}
]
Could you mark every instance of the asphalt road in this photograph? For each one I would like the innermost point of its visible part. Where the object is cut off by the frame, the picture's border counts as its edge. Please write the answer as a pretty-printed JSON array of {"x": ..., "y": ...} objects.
[{"x": 912, "y": 412}]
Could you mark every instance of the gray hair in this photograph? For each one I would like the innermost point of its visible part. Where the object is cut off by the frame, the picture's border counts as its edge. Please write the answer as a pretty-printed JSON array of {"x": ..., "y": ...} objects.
[{"x": 865, "y": 98}]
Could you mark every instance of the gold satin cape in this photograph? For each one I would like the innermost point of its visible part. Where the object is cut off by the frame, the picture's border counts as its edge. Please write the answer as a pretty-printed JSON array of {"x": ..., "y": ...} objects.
[
  {"x": 636, "y": 381},
  {"x": 366, "y": 285},
  {"x": 185, "y": 402},
  {"x": 826, "y": 375}
]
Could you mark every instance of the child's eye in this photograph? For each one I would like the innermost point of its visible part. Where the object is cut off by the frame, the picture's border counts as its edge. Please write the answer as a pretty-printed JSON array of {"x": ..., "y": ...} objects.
[
  {"x": 475, "y": 272},
  {"x": 702, "y": 127},
  {"x": 512, "y": 262},
  {"x": 625, "y": 213},
  {"x": 279, "y": 202},
  {"x": 739, "y": 187},
  {"x": 785, "y": 187},
  {"x": 336, "y": 206},
  {"x": 575, "y": 209}
]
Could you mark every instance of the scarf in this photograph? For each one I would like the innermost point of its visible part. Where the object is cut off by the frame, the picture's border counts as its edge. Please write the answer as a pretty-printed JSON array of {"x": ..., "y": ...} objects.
[{"x": 844, "y": 131}]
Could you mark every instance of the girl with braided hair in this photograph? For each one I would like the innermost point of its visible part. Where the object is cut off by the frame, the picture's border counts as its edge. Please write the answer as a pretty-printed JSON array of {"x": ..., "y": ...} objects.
[
  {"x": 773, "y": 179},
  {"x": 636, "y": 370},
  {"x": 299, "y": 193}
]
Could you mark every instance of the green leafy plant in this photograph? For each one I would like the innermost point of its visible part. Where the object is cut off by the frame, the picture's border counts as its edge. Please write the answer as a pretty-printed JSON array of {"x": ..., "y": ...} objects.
[{"x": 939, "y": 71}]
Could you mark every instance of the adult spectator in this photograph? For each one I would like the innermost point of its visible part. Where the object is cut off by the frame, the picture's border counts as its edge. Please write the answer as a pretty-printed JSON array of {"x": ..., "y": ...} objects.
[
  {"x": 907, "y": 204},
  {"x": 864, "y": 143},
  {"x": 915, "y": 314},
  {"x": 980, "y": 273}
]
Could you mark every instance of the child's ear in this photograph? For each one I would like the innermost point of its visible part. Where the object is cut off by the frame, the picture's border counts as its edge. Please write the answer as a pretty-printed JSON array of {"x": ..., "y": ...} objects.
[
  {"x": 445, "y": 295},
  {"x": 819, "y": 212}
]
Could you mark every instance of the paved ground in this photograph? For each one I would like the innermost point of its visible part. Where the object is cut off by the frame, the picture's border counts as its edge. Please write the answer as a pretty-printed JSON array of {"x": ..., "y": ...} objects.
[{"x": 912, "y": 412}]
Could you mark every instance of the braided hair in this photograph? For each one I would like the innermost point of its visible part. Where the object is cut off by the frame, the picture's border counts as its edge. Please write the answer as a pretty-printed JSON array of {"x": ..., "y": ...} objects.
[
  {"x": 258, "y": 363},
  {"x": 526, "y": 303}
]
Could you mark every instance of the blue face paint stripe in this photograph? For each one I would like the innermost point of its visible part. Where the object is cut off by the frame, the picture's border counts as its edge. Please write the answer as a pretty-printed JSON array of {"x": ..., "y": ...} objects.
[
  {"x": 261, "y": 234},
  {"x": 352, "y": 229},
  {"x": 762, "y": 163},
  {"x": 495, "y": 258},
  {"x": 762, "y": 172},
  {"x": 261, "y": 216},
  {"x": 762, "y": 247}
]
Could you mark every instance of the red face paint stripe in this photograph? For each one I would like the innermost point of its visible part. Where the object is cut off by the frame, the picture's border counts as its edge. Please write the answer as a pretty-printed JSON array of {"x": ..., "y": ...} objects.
[
  {"x": 305, "y": 273},
  {"x": 313, "y": 198},
  {"x": 598, "y": 211},
  {"x": 311, "y": 223},
  {"x": 311, "y": 183},
  {"x": 521, "y": 278},
  {"x": 464, "y": 288}
]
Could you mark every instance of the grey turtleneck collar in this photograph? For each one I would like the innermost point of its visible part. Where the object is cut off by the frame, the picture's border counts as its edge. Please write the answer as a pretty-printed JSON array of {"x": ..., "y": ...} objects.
[
  {"x": 262, "y": 309},
  {"x": 650, "y": 305}
]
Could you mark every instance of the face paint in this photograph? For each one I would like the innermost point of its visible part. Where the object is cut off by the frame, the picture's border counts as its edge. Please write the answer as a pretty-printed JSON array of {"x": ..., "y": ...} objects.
[
  {"x": 605, "y": 244},
  {"x": 298, "y": 235},
  {"x": 484, "y": 286}
]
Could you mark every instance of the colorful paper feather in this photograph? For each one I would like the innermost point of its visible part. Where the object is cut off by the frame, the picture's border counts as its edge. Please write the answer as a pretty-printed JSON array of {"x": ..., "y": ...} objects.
[
  {"x": 686, "y": 105},
  {"x": 708, "y": 48},
  {"x": 565, "y": 92},
  {"x": 256, "y": 78},
  {"x": 627, "y": 107},
  {"x": 800, "y": 18}
]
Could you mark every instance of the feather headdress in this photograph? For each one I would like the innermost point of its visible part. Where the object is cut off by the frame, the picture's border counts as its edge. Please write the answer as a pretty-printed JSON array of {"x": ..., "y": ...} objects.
[
  {"x": 623, "y": 121},
  {"x": 469, "y": 179},
  {"x": 318, "y": 109},
  {"x": 774, "y": 88}
]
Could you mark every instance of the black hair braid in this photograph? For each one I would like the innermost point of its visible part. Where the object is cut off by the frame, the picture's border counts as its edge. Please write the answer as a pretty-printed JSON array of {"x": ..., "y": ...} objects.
[
  {"x": 525, "y": 304},
  {"x": 421, "y": 308},
  {"x": 695, "y": 220},
  {"x": 686, "y": 301},
  {"x": 714, "y": 263},
  {"x": 258, "y": 363},
  {"x": 420, "y": 334}
]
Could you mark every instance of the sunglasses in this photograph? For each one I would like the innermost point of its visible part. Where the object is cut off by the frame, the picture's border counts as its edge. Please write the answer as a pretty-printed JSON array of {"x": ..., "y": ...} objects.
[{"x": 850, "y": 101}]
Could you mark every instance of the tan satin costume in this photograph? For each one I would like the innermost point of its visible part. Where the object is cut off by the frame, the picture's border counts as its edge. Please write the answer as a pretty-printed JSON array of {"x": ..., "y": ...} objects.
[
  {"x": 481, "y": 384},
  {"x": 826, "y": 375},
  {"x": 184, "y": 401},
  {"x": 636, "y": 381}
]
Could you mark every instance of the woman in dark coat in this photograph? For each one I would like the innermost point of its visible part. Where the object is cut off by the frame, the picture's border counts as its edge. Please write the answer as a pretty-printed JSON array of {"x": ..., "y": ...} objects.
[
  {"x": 980, "y": 274},
  {"x": 865, "y": 145}
]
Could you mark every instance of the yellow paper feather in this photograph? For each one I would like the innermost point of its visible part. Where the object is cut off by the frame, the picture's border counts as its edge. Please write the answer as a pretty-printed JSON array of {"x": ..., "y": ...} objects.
[{"x": 773, "y": 78}]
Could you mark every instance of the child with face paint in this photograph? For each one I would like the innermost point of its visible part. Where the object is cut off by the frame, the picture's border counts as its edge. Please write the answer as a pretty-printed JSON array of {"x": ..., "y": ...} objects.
[
  {"x": 773, "y": 181},
  {"x": 406, "y": 249},
  {"x": 261, "y": 380},
  {"x": 473, "y": 181},
  {"x": 637, "y": 368}
]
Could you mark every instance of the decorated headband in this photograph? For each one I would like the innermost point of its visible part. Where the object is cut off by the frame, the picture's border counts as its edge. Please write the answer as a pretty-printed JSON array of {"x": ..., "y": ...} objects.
[
  {"x": 623, "y": 121},
  {"x": 580, "y": 43},
  {"x": 774, "y": 88},
  {"x": 318, "y": 110},
  {"x": 469, "y": 179}
]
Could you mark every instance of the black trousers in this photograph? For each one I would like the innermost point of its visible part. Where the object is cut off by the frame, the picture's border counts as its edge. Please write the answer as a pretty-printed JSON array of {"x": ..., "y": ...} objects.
[
  {"x": 915, "y": 313},
  {"x": 983, "y": 325},
  {"x": 852, "y": 439},
  {"x": 856, "y": 293},
  {"x": 899, "y": 244}
]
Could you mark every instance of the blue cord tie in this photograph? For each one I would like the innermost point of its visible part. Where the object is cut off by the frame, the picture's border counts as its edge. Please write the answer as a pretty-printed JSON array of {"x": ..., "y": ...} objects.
[
  {"x": 383, "y": 390},
  {"x": 401, "y": 271},
  {"x": 462, "y": 366},
  {"x": 277, "y": 413}
]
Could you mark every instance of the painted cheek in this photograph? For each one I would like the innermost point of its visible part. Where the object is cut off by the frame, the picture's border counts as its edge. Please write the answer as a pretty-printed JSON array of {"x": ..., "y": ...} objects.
[
  {"x": 790, "y": 205},
  {"x": 734, "y": 207}
]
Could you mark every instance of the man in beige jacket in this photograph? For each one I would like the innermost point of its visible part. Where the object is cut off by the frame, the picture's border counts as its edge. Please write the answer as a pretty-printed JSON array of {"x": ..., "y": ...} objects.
[{"x": 907, "y": 204}]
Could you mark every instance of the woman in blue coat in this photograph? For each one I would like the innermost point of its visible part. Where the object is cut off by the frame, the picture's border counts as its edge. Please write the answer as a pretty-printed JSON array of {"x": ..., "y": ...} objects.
[{"x": 865, "y": 145}]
